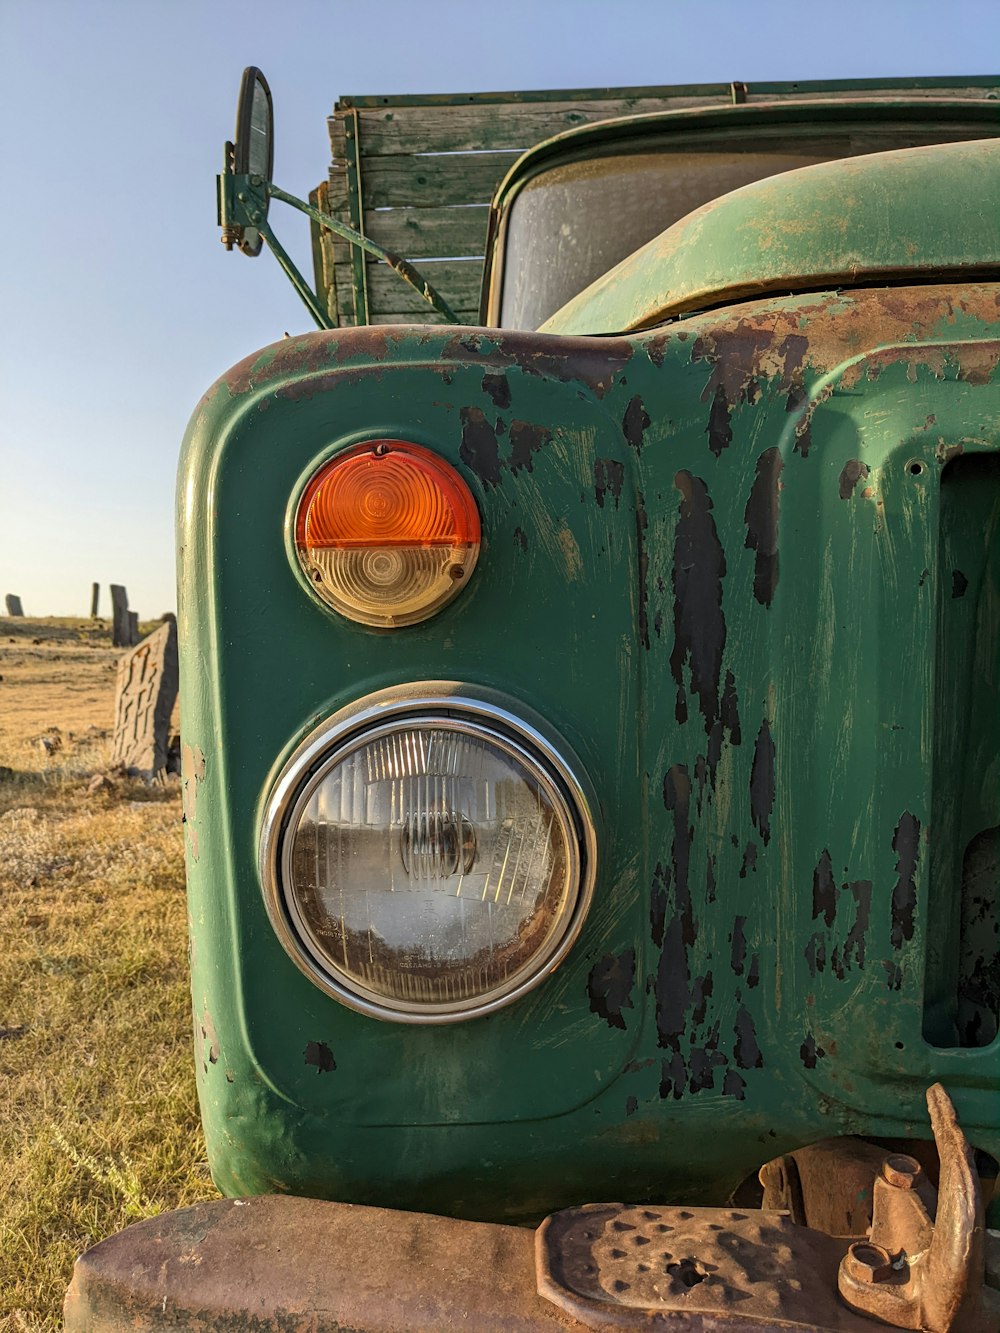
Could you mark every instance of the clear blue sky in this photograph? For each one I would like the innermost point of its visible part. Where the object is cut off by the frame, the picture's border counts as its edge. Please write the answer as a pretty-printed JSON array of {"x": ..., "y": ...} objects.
[{"x": 119, "y": 304}]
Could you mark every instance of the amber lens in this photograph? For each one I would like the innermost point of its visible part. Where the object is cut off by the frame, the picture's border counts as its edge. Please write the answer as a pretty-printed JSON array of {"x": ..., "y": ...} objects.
[{"x": 387, "y": 533}]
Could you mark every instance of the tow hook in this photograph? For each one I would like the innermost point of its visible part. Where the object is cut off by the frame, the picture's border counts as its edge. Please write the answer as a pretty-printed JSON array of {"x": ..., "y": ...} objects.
[{"x": 923, "y": 1266}]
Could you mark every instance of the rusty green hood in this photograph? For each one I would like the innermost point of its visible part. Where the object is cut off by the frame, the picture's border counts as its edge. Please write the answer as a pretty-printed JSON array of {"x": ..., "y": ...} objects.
[{"x": 851, "y": 222}]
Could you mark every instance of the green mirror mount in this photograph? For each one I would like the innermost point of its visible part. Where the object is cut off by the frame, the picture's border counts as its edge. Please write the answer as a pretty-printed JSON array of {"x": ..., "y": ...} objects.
[{"x": 245, "y": 190}]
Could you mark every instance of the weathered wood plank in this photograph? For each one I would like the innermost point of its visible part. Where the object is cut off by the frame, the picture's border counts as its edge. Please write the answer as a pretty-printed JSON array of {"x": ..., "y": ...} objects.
[
  {"x": 425, "y": 233},
  {"x": 939, "y": 85},
  {"x": 761, "y": 92},
  {"x": 422, "y": 182},
  {"x": 470, "y": 317},
  {"x": 432, "y": 182},
  {"x": 458, "y": 281},
  {"x": 432, "y": 317},
  {"x": 399, "y": 128},
  {"x": 519, "y": 97},
  {"x": 391, "y": 130},
  {"x": 336, "y": 191},
  {"x": 342, "y": 257}
]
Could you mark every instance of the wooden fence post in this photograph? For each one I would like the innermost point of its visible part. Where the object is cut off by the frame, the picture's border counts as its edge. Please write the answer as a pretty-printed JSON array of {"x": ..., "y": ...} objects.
[
  {"x": 121, "y": 636},
  {"x": 95, "y": 597}
]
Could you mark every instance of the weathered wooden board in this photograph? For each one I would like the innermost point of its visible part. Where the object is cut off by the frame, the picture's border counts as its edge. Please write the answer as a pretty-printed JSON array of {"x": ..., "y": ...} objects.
[
  {"x": 465, "y": 317},
  {"x": 462, "y": 278},
  {"x": 441, "y": 129},
  {"x": 886, "y": 90},
  {"x": 428, "y": 180},
  {"x": 396, "y": 127},
  {"x": 423, "y": 233}
]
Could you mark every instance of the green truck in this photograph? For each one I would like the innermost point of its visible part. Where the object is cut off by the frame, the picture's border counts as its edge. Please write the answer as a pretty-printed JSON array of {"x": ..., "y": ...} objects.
[{"x": 591, "y": 752}]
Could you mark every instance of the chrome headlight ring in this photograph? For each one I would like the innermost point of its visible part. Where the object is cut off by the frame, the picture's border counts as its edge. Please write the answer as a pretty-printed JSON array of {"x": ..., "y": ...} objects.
[{"x": 443, "y": 894}]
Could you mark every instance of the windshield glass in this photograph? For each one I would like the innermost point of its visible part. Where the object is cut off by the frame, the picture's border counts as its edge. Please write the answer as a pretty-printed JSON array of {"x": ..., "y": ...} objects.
[{"x": 568, "y": 225}]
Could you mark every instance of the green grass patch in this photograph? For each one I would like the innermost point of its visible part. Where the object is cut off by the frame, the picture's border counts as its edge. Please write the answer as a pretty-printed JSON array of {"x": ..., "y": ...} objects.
[{"x": 99, "y": 1123}]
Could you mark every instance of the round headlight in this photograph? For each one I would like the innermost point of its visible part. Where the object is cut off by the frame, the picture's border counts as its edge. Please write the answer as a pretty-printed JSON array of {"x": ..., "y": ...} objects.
[{"x": 429, "y": 861}]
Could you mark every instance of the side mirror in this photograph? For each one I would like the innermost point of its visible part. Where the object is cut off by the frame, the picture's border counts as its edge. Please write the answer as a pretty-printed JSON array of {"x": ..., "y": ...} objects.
[
  {"x": 245, "y": 189},
  {"x": 253, "y": 152}
]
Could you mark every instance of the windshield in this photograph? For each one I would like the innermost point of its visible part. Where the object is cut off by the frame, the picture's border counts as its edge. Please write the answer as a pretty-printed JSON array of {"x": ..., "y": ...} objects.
[
  {"x": 571, "y": 224},
  {"x": 568, "y": 225}
]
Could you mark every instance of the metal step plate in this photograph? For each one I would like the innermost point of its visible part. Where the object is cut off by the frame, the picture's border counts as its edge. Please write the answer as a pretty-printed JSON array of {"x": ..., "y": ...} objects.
[{"x": 622, "y": 1266}]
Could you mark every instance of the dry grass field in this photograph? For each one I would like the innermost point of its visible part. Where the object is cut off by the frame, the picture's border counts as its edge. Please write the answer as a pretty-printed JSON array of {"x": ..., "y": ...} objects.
[{"x": 98, "y": 1116}]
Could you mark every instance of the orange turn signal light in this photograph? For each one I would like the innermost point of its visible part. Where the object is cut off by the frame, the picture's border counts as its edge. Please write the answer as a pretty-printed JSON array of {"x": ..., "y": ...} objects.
[{"x": 387, "y": 532}]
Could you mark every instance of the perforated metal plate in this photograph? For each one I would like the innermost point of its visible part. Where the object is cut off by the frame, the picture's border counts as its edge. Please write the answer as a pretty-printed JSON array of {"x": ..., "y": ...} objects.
[{"x": 615, "y": 1266}]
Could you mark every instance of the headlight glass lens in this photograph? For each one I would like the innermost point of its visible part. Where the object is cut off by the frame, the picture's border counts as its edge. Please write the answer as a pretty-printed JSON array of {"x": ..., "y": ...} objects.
[{"x": 432, "y": 868}]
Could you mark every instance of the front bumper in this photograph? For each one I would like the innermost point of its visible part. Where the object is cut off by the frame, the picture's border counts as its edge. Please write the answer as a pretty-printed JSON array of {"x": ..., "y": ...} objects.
[
  {"x": 278, "y": 1263},
  {"x": 275, "y": 1264}
]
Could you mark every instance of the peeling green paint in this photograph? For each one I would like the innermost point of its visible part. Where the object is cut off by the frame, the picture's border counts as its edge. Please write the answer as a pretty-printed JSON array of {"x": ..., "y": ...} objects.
[{"x": 742, "y": 655}]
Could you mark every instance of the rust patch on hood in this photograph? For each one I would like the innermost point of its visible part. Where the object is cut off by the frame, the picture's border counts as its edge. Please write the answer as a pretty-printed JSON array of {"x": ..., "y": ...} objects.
[
  {"x": 757, "y": 342},
  {"x": 593, "y": 362},
  {"x": 311, "y": 352}
]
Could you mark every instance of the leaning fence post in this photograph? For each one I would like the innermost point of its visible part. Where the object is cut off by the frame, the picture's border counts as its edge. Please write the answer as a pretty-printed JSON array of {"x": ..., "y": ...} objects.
[{"x": 14, "y": 607}]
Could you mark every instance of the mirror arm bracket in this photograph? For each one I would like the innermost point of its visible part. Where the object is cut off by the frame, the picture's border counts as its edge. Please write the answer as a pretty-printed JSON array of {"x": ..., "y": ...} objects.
[
  {"x": 399, "y": 266},
  {"x": 306, "y": 293},
  {"x": 242, "y": 203}
]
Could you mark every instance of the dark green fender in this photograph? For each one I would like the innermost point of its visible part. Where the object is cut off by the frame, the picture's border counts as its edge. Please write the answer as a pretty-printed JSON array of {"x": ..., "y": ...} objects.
[{"x": 746, "y": 568}]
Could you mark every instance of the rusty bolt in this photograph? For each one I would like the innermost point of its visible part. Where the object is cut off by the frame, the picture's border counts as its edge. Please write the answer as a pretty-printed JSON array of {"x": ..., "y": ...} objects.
[
  {"x": 868, "y": 1263},
  {"x": 902, "y": 1171}
]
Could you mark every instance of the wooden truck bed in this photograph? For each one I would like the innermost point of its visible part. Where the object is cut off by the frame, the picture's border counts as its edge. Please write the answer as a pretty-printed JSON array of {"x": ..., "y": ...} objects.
[{"x": 416, "y": 174}]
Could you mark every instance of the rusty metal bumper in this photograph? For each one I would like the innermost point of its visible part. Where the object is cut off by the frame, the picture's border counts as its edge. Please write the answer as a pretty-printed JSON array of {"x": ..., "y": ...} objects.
[{"x": 280, "y": 1263}]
